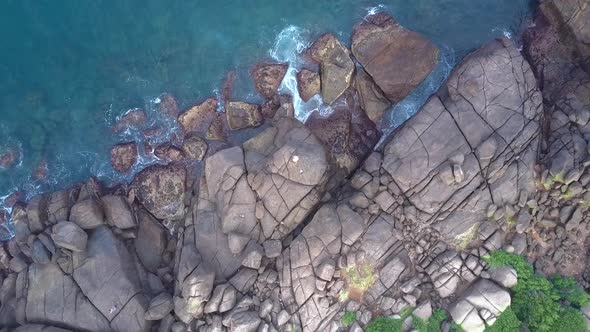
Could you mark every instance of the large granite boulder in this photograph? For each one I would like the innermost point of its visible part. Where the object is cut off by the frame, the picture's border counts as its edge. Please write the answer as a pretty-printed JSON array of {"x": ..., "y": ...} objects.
[
  {"x": 473, "y": 144},
  {"x": 397, "y": 59},
  {"x": 109, "y": 279},
  {"x": 336, "y": 66},
  {"x": 53, "y": 297},
  {"x": 162, "y": 189}
]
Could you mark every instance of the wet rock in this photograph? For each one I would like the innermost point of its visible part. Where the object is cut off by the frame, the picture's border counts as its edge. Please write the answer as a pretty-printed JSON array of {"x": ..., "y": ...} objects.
[
  {"x": 9, "y": 158},
  {"x": 336, "y": 66},
  {"x": 199, "y": 117},
  {"x": 70, "y": 236},
  {"x": 268, "y": 77},
  {"x": 88, "y": 214},
  {"x": 194, "y": 147},
  {"x": 168, "y": 106},
  {"x": 168, "y": 152},
  {"x": 242, "y": 115},
  {"x": 132, "y": 118},
  {"x": 150, "y": 242},
  {"x": 159, "y": 307},
  {"x": 397, "y": 59},
  {"x": 124, "y": 156},
  {"x": 118, "y": 212},
  {"x": 161, "y": 190},
  {"x": 308, "y": 84}
]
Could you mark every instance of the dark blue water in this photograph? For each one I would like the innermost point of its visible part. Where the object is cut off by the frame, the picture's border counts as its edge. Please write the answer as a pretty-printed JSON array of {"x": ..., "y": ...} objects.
[{"x": 68, "y": 68}]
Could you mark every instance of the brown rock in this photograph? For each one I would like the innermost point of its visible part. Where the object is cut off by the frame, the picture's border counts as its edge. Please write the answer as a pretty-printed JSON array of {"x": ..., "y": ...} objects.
[
  {"x": 9, "y": 158},
  {"x": 195, "y": 147},
  {"x": 123, "y": 156},
  {"x": 199, "y": 117},
  {"x": 217, "y": 128},
  {"x": 161, "y": 190},
  {"x": 268, "y": 77},
  {"x": 372, "y": 100},
  {"x": 242, "y": 115},
  {"x": 270, "y": 107},
  {"x": 397, "y": 59},
  {"x": 133, "y": 118},
  {"x": 168, "y": 152},
  {"x": 308, "y": 84},
  {"x": 168, "y": 106},
  {"x": 336, "y": 66}
]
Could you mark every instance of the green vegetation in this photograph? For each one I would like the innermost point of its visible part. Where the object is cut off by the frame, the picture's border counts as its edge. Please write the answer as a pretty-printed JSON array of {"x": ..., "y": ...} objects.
[
  {"x": 385, "y": 324},
  {"x": 348, "y": 318},
  {"x": 360, "y": 277},
  {"x": 432, "y": 324},
  {"x": 539, "y": 303},
  {"x": 506, "y": 322}
]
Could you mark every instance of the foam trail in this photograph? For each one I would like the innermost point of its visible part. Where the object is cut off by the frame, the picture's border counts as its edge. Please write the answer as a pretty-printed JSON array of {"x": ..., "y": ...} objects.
[{"x": 290, "y": 43}]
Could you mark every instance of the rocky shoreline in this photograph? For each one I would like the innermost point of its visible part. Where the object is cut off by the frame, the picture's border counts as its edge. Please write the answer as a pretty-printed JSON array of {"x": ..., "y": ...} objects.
[{"x": 291, "y": 226}]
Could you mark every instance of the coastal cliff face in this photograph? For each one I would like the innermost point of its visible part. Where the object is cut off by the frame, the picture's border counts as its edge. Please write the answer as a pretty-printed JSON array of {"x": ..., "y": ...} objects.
[{"x": 301, "y": 222}]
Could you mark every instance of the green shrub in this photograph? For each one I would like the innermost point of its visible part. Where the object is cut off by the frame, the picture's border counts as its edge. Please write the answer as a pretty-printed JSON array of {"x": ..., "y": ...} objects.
[
  {"x": 384, "y": 324},
  {"x": 570, "y": 319},
  {"x": 348, "y": 318},
  {"x": 506, "y": 322},
  {"x": 432, "y": 324},
  {"x": 539, "y": 303},
  {"x": 568, "y": 290}
]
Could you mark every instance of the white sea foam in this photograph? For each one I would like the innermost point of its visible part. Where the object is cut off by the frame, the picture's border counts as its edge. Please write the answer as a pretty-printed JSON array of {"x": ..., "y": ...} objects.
[{"x": 289, "y": 45}]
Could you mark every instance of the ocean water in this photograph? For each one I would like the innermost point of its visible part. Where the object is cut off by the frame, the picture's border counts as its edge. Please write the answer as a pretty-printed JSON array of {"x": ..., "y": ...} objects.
[{"x": 69, "y": 68}]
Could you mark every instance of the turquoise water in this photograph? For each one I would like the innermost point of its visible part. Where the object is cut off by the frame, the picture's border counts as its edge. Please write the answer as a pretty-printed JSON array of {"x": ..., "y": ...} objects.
[{"x": 68, "y": 68}]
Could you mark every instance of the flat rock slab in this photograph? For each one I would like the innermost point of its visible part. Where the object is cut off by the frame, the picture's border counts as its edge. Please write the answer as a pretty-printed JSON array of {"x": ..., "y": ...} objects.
[{"x": 162, "y": 189}]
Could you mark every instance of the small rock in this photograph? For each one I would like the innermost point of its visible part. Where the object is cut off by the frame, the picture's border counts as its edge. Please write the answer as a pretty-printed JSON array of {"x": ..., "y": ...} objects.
[
  {"x": 458, "y": 173},
  {"x": 253, "y": 259},
  {"x": 326, "y": 270},
  {"x": 283, "y": 317},
  {"x": 118, "y": 212},
  {"x": 242, "y": 115},
  {"x": 244, "y": 321},
  {"x": 194, "y": 147},
  {"x": 70, "y": 236},
  {"x": 268, "y": 77},
  {"x": 87, "y": 214},
  {"x": 272, "y": 248},
  {"x": 308, "y": 84}
]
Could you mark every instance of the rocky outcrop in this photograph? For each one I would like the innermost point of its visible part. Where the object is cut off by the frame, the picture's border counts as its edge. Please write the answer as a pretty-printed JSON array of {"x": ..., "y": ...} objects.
[
  {"x": 198, "y": 118},
  {"x": 397, "y": 59},
  {"x": 242, "y": 115},
  {"x": 308, "y": 84}
]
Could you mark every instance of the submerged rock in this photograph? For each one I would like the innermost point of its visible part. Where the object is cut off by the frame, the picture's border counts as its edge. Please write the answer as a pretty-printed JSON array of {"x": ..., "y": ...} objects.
[
  {"x": 168, "y": 106},
  {"x": 268, "y": 77},
  {"x": 397, "y": 59},
  {"x": 124, "y": 156},
  {"x": 132, "y": 118}
]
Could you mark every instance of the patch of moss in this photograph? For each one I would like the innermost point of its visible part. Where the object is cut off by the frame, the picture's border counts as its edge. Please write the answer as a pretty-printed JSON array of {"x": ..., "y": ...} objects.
[
  {"x": 464, "y": 240},
  {"x": 360, "y": 277},
  {"x": 384, "y": 324},
  {"x": 348, "y": 318}
]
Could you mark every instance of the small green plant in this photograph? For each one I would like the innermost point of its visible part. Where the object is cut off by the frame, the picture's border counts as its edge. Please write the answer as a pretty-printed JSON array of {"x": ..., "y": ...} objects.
[
  {"x": 360, "y": 277},
  {"x": 506, "y": 322},
  {"x": 456, "y": 327},
  {"x": 343, "y": 295},
  {"x": 568, "y": 290},
  {"x": 570, "y": 320},
  {"x": 385, "y": 324},
  {"x": 348, "y": 318}
]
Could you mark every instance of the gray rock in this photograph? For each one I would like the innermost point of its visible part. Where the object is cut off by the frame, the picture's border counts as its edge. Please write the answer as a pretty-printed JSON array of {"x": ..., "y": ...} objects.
[
  {"x": 159, "y": 307},
  {"x": 87, "y": 214},
  {"x": 423, "y": 310},
  {"x": 150, "y": 242},
  {"x": 70, "y": 236},
  {"x": 244, "y": 279},
  {"x": 505, "y": 276},
  {"x": 283, "y": 317},
  {"x": 40, "y": 254},
  {"x": 326, "y": 270},
  {"x": 272, "y": 248},
  {"x": 253, "y": 258},
  {"x": 118, "y": 213},
  {"x": 132, "y": 316},
  {"x": 244, "y": 321}
]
